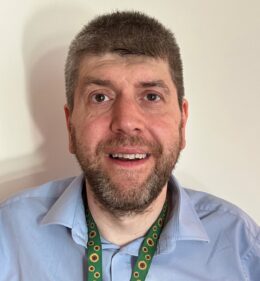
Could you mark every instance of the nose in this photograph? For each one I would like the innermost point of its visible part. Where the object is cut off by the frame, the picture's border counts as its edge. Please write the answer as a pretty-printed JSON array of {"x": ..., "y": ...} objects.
[{"x": 127, "y": 117}]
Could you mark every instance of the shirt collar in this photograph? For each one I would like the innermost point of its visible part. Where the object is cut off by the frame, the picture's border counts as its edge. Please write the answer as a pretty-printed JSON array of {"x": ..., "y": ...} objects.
[
  {"x": 183, "y": 222},
  {"x": 69, "y": 211}
]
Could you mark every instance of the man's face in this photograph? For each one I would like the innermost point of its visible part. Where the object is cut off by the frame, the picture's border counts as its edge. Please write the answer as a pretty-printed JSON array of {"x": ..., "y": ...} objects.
[{"x": 126, "y": 128}]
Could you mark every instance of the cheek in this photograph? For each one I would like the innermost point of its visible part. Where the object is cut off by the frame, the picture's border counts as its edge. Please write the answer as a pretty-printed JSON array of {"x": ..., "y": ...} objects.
[
  {"x": 91, "y": 131},
  {"x": 89, "y": 128},
  {"x": 165, "y": 128}
]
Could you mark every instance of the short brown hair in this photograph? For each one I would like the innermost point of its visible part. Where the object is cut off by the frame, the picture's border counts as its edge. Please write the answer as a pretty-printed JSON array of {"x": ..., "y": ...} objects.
[{"x": 124, "y": 33}]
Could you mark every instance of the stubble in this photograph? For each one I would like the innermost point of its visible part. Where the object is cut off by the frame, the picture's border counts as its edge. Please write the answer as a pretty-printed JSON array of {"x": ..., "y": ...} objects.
[{"x": 140, "y": 193}]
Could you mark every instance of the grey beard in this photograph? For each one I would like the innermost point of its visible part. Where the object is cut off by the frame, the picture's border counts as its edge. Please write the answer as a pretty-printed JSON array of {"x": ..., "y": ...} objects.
[
  {"x": 127, "y": 202},
  {"x": 119, "y": 201}
]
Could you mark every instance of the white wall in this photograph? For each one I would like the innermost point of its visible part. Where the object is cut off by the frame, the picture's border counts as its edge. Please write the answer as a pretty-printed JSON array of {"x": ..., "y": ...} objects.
[{"x": 220, "y": 42}]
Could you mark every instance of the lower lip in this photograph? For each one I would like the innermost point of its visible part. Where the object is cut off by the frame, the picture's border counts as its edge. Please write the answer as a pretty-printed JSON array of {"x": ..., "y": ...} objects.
[{"x": 128, "y": 163}]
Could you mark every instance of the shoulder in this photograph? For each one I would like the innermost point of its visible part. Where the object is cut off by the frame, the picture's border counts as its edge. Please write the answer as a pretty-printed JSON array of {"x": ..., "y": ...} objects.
[
  {"x": 212, "y": 207},
  {"x": 46, "y": 190},
  {"x": 22, "y": 234},
  {"x": 223, "y": 219},
  {"x": 32, "y": 201},
  {"x": 229, "y": 227}
]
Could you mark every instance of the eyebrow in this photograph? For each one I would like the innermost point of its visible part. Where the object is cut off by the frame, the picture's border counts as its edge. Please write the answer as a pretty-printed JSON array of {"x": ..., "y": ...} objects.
[
  {"x": 153, "y": 83},
  {"x": 100, "y": 82},
  {"x": 156, "y": 83}
]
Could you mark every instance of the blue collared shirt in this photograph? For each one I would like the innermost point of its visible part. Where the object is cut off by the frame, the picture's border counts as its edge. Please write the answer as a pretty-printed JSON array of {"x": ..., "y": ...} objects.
[{"x": 43, "y": 235}]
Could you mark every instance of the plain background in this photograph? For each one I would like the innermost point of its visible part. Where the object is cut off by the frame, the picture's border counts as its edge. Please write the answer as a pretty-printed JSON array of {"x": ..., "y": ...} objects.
[{"x": 220, "y": 44}]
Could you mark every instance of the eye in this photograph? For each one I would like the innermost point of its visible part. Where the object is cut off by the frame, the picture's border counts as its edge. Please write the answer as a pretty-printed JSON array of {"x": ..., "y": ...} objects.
[
  {"x": 152, "y": 97},
  {"x": 99, "y": 98}
]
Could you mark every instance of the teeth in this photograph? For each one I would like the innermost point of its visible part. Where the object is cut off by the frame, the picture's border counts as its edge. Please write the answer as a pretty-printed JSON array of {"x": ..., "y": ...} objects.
[{"x": 129, "y": 156}]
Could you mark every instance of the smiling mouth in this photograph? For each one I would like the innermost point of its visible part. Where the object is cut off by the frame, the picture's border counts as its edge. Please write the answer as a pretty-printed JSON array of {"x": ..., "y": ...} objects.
[{"x": 129, "y": 156}]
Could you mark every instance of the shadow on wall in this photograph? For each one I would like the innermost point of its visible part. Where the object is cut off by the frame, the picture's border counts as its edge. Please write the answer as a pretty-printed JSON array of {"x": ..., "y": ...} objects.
[{"x": 45, "y": 43}]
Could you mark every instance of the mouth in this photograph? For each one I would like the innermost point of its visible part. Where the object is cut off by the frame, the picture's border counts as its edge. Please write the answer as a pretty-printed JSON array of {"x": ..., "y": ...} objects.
[{"x": 129, "y": 156}]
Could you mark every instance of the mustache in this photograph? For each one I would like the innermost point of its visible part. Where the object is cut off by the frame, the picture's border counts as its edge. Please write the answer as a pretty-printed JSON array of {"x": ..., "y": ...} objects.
[{"x": 152, "y": 147}]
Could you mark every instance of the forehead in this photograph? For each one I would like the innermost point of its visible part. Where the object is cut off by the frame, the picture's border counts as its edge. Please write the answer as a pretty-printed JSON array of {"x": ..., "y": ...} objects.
[{"x": 134, "y": 66}]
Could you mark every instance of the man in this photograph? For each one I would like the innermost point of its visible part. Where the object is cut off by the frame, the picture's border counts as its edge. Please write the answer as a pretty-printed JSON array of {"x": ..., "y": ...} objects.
[{"x": 125, "y": 217}]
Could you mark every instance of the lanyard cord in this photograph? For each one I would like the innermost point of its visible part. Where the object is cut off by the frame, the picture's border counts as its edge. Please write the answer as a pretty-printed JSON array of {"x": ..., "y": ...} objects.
[{"x": 146, "y": 252}]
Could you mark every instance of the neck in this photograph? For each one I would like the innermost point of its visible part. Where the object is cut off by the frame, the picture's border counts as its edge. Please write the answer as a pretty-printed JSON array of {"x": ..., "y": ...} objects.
[{"x": 124, "y": 229}]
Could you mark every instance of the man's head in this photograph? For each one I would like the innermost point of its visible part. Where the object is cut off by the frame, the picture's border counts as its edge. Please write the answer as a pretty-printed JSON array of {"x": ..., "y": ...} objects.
[
  {"x": 126, "y": 119},
  {"x": 124, "y": 33}
]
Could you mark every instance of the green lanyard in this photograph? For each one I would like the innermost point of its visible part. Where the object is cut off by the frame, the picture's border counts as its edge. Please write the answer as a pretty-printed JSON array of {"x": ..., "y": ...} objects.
[{"x": 146, "y": 252}]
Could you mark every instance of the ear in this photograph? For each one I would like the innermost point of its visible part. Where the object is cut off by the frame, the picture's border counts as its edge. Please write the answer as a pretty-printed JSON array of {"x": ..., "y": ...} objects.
[
  {"x": 184, "y": 118},
  {"x": 68, "y": 114}
]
